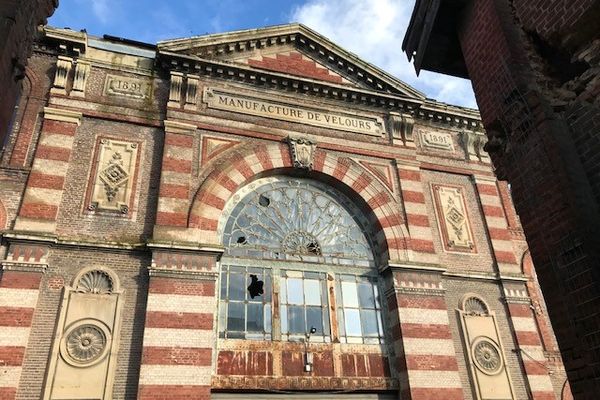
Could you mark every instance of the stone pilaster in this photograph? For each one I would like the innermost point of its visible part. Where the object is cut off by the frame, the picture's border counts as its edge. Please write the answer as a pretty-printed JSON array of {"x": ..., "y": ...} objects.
[
  {"x": 417, "y": 215},
  {"x": 179, "y": 334},
  {"x": 497, "y": 225},
  {"x": 19, "y": 292},
  {"x": 529, "y": 343},
  {"x": 82, "y": 72},
  {"x": 45, "y": 185},
  {"x": 176, "y": 172},
  {"x": 176, "y": 90},
  {"x": 425, "y": 353}
]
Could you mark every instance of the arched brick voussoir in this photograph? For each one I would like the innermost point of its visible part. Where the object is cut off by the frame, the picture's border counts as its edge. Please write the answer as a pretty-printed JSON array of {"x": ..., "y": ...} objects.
[
  {"x": 376, "y": 198},
  {"x": 252, "y": 161},
  {"x": 36, "y": 87},
  {"x": 240, "y": 166}
]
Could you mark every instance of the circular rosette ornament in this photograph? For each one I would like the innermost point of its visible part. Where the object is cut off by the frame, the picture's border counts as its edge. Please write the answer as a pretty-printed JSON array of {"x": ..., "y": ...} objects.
[
  {"x": 486, "y": 355},
  {"x": 85, "y": 343}
]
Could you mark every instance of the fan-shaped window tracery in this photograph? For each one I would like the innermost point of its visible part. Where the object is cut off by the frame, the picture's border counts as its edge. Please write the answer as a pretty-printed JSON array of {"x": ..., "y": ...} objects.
[{"x": 290, "y": 218}]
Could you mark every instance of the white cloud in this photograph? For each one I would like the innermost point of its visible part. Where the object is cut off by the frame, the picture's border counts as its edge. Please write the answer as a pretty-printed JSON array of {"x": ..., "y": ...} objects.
[
  {"x": 102, "y": 9},
  {"x": 374, "y": 31}
]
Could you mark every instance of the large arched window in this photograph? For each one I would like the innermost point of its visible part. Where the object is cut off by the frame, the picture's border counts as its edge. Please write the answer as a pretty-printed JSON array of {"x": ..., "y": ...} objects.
[{"x": 307, "y": 246}]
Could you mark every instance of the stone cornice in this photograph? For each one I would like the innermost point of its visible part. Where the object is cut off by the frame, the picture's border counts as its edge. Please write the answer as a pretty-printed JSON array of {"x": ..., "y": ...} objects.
[
  {"x": 68, "y": 41},
  {"x": 428, "y": 110},
  {"x": 23, "y": 267},
  {"x": 186, "y": 247},
  {"x": 182, "y": 274},
  {"x": 382, "y": 90},
  {"x": 311, "y": 43}
]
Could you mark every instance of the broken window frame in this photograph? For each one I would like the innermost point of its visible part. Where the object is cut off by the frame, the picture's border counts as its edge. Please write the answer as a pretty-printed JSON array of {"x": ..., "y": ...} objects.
[{"x": 227, "y": 302}]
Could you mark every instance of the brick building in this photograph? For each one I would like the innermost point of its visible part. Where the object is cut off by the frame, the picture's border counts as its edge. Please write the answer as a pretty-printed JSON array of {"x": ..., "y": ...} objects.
[
  {"x": 535, "y": 68},
  {"x": 256, "y": 212},
  {"x": 19, "y": 20}
]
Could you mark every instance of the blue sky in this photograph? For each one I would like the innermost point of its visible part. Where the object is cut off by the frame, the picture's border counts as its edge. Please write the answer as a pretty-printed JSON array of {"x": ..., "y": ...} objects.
[{"x": 373, "y": 29}]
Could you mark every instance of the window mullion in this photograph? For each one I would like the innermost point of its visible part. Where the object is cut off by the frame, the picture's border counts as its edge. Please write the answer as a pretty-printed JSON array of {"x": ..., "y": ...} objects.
[
  {"x": 275, "y": 304},
  {"x": 333, "y": 320}
]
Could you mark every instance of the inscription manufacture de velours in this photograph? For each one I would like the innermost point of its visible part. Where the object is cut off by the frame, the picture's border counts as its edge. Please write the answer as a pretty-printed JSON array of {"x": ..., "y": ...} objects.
[{"x": 229, "y": 101}]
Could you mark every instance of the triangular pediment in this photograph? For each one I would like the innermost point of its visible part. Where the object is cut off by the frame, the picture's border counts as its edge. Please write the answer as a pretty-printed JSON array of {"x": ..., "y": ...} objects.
[{"x": 290, "y": 49}]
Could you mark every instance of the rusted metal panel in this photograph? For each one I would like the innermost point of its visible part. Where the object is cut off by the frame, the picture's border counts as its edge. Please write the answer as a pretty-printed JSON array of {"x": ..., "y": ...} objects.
[{"x": 244, "y": 363}]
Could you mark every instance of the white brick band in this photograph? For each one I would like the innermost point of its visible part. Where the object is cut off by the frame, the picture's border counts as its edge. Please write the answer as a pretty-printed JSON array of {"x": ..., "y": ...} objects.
[
  {"x": 421, "y": 346},
  {"x": 14, "y": 336},
  {"x": 524, "y": 324},
  {"x": 540, "y": 383},
  {"x": 10, "y": 376},
  {"x": 175, "y": 375},
  {"x": 423, "y": 316},
  {"x": 166, "y": 337},
  {"x": 434, "y": 379},
  {"x": 25, "y": 298},
  {"x": 180, "y": 303}
]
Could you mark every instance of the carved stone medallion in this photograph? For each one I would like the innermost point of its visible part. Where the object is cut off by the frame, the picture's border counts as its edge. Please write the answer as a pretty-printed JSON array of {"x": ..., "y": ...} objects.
[
  {"x": 303, "y": 152},
  {"x": 85, "y": 343},
  {"x": 487, "y": 356}
]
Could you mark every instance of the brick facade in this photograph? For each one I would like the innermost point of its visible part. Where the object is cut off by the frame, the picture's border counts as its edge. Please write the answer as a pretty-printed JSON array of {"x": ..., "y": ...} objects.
[
  {"x": 19, "y": 22},
  {"x": 116, "y": 190},
  {"x": 534, "y": 69}
]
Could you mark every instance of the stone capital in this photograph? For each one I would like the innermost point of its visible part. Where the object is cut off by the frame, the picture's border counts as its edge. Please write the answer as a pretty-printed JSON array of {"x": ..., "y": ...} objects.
[
  {"x": 57, "y": 114},
  {"x": 179, "y": 127}
]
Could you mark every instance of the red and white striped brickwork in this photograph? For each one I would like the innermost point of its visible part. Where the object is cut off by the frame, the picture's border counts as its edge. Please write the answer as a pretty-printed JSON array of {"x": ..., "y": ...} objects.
[
  {"x": 426, "y": 357},
  {"x": 19, "y": 290},
  {"x": 46, "y": 181},
  {"x": 417, "y": 215},
  {"x": 178, "y": 154},
  {"x": 497, "y": 225},
  {"x": 252, "y": 160},
  {"x": 178, "y": 333},
  {"x": 530, "y": 344}
]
